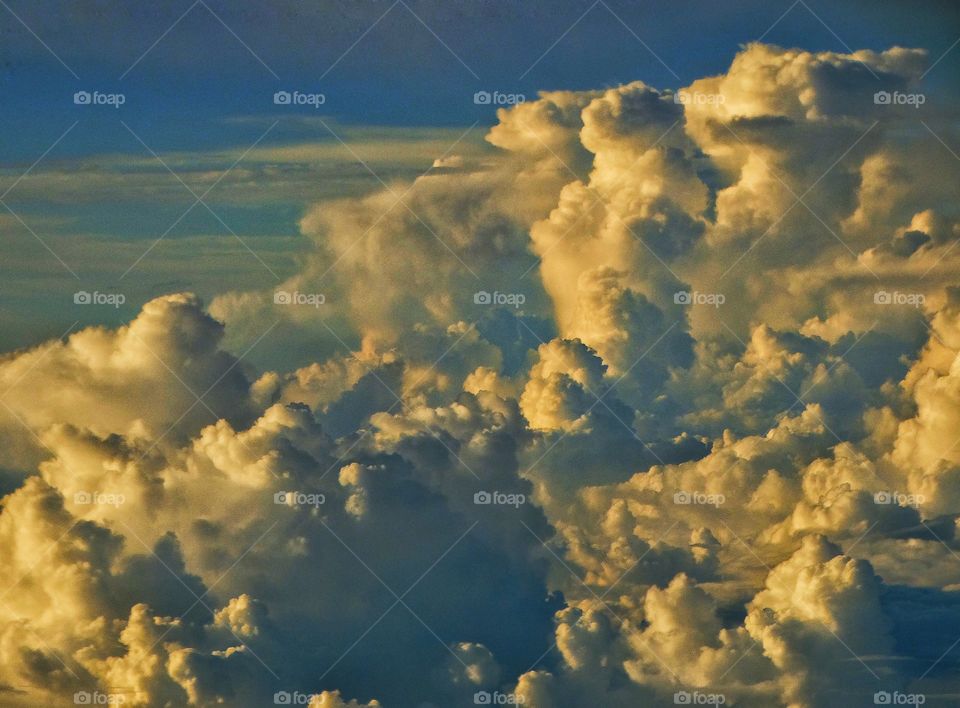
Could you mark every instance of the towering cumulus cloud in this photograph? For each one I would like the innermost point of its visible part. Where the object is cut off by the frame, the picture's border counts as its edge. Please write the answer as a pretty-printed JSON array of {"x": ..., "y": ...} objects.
[{"x": 657, "y": 404}]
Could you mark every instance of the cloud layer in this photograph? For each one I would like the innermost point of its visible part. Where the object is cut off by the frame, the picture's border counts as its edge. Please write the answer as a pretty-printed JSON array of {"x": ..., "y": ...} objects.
[{"x": 658, "y": 404}]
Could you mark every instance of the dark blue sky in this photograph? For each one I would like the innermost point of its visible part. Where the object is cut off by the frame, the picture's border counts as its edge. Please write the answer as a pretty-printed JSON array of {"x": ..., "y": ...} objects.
[{"x": 198, "y": 73}]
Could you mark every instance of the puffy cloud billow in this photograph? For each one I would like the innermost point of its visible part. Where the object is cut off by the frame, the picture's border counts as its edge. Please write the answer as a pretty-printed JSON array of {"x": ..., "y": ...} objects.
[{"x": 712, "y": 454}]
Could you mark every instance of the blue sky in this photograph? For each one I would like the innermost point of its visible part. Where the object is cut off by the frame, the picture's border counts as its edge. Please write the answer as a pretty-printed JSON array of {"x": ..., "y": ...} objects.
[
  {"x": 198, "y": 80},
  {"x": 398, "y": 72}
]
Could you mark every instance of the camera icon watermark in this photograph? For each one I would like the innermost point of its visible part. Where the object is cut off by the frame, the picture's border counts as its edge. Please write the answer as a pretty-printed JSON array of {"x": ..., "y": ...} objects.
[
  {"x": 899, "y": 499},
  {"x": 98, "y": 499},
  {"x": 898, "y": 98},
  {"x": 495, "y": 698},
  {"x": 699, "y": 498},
  {"x": 98, "y": 698},
  {"x": 698, "y": 98},
  {"x": 96, "y": 98},
  {"x": 482, "y": 297},
  {"x": 688, "y": 297},
  {"x": 293, "y": 698},
  {"x": 883, "y": 297},
  {"x": 896, "y": 698},
  {"x": 495, "y": 98},
  {"x": 495, "y": 498},
  {"x": 285, "y": 297},
  {"x": 298, "y": 98},
  {"x": 697, "y": 698},
  {"x": 299, "y": 499},
  {"x": 82, "y": 297}
]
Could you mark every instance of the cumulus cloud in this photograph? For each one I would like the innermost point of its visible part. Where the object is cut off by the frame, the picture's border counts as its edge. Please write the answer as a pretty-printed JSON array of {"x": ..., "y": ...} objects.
[
  {"x": 658, "y": 402},
  {"x": 153, "y": 371}
]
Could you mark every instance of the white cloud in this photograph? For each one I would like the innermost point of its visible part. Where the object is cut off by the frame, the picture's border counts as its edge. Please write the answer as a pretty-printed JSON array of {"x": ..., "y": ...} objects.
[{"x": 754, "y": 497}]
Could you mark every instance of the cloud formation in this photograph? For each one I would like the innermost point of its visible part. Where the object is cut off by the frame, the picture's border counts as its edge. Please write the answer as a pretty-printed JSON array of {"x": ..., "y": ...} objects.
[{"x": 711, "y": 453}]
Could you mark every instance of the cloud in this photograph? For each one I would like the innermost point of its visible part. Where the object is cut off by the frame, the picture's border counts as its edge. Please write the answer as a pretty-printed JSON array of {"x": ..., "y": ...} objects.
[
  {"x": 707, "y": 452},
  {"x": 152, "y": 371}
]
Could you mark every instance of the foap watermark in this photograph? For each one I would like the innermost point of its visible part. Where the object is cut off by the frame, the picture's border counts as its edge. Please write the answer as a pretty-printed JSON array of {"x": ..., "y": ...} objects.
[
  {"x": 299, "y": 499},
  {"x": 298, "y": 98},
  {"x": 698, "y": 698},
  {"x": 884, "y": 297},
  {"x": 98, "y": 98},
  {"x": 495, "y": 98},
  {"x": 293, "y": 698},
  {"x": 82, "y": 297},
  {"x": 285, "y": 297},
  {"x": 898, "y": 98},
  {"x": 896, "y": 698},
  {"x": 495, "y": 698},
  {"x": 899, "y": 499},
  {"x": 482, "y": 297},
  {"x": 496, "y": 498},
  {"x": 98, "y": 499},
  {"x": 701, "y": 498},
  {"x": 698, "y": 98},
  {"x": 98, "y": 698},
  {"x": 693, "y": 297}
]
